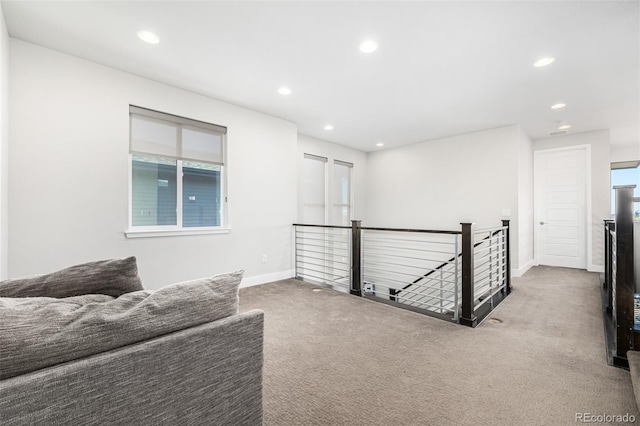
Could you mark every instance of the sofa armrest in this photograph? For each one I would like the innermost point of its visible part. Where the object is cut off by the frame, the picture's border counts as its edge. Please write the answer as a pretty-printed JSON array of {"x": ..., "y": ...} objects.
[{"x": 208, "y": 374}]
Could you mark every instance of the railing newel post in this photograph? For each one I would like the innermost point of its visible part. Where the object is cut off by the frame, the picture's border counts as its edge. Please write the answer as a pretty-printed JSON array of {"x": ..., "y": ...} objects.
[
  {"x": 295, "y": 251},
  {"x": 607, "y": 253},
  {"x": 505, "y": 222},
  {"x": 609, "y": 277},
  {"x": 625, "y": 285},
  {"x": 468, "y": 317},
  {"x": 356, "y": 258}
]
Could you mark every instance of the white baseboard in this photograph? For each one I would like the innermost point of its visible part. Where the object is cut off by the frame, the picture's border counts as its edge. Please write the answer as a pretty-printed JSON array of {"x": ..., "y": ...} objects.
[
  {"x": 596, "y": 268},
  {"x": 266, "y": 278},
  {"x": 523, "y": 270}
]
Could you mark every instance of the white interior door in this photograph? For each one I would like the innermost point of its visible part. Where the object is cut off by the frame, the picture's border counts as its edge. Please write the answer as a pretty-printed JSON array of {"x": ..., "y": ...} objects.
[{"x": 560, "y": 177}]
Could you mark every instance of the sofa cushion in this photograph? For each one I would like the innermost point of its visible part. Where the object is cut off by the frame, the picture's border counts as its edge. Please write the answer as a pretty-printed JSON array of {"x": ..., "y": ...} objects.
[
  {"x": 40, "y": 332},
  {"x": 111, "y": 277}
]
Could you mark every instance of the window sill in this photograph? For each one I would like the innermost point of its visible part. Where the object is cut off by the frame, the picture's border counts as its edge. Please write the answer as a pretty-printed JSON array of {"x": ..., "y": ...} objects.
[{"x": 134, "y": 233}]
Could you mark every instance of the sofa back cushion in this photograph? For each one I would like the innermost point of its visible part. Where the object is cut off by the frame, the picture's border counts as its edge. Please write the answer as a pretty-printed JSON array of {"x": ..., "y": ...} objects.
[
  {"x": 40, "y": 332},
  {"x": 112, "y": 277}
]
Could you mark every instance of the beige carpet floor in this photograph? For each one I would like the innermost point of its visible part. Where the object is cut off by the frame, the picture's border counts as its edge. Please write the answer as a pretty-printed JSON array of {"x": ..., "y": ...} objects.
[{"x": 336, "y": 359}]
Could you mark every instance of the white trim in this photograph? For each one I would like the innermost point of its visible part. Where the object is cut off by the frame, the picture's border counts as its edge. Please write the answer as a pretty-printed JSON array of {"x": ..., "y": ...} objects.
[
  {"x": 135, "y": 233},
  {"x": 595, "y": 268},
  {"x": 130, "y": 175},
  {"x": 328, "y": 181},
  {"x": 589, "y": 215},
  {"x": 266, "y": 278},
  {"x": 179, "y": 184},
  {"x": 522, "y": 270},
  {"x": 588, "y": 219}
]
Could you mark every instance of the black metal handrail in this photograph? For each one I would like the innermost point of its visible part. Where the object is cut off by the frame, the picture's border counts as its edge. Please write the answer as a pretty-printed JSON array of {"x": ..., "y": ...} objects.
[
  {"x": 419, "y": 231},
  {"x": 322, "y": 226}
]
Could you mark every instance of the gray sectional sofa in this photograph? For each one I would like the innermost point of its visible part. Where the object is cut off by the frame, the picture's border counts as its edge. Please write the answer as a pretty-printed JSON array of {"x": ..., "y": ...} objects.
[{"x": 89, "y": 346}]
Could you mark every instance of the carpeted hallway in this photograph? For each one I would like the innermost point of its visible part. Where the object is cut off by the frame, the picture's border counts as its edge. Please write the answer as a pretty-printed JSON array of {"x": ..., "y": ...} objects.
[{"x": 336, "y": 359}]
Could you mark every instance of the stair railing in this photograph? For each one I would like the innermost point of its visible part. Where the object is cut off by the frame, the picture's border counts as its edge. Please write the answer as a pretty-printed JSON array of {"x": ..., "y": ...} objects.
[{"x": 376, "y": 261}]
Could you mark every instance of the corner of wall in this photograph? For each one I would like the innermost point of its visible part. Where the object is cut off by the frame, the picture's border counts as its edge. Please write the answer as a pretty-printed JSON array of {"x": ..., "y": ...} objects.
[
  {"x": 525, "y": 202},
  {"x": 4, "y": 145}
]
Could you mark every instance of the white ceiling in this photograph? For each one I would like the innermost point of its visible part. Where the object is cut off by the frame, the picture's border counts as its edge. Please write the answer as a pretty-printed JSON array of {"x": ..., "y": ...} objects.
[{"x": 442, "y": 68}]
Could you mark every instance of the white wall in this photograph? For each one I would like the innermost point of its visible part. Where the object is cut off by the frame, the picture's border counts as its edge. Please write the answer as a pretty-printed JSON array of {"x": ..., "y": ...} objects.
[
  {"x": 69, "y": 174},
  {"x": 600, "y": 185},
  {"x": 331, "y": 151},
  {"x": 625, "y": 153},
  {"x": 525, "y": 202},
  {"x": 4, "y": 144},
  {"x": 441, "y": 183}
]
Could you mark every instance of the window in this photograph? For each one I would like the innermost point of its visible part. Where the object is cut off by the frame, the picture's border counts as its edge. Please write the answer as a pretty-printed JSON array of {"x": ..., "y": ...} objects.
[
  {"x": 625, "y": 173},
  {"x": 342, "y": 192},
  {"x": 325, "y": 191},
  {"x": 313, "y": 191},
  {"x": 177, "y": 174}
]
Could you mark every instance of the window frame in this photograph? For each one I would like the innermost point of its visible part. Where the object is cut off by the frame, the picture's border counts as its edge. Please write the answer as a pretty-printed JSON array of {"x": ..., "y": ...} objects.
[{"x": 177, "y": 229}]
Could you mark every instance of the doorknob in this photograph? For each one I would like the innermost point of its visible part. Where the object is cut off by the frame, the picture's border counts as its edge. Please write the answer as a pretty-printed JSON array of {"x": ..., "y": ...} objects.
[{"x": 541, "y": 223}]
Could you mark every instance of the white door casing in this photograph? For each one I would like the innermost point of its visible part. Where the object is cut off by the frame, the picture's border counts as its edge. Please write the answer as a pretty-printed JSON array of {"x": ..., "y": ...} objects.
[{"x": 561, "y": 182}]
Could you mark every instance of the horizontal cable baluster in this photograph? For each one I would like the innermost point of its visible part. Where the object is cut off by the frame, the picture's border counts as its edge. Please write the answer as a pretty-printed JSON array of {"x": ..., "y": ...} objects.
[
  {"x": 342, "y": 268},
  {"x": 326, "y": 253},
  {"x": 398, "y": 273},
  {"x": 305, "y": 268},
  {"x": 323, "y": 256},
  {"x": 370, "y": 263},
  {"x": 323, "y": 246},
  {"x": 410, "y": 257},
  {"x": 373, "y": 239}
]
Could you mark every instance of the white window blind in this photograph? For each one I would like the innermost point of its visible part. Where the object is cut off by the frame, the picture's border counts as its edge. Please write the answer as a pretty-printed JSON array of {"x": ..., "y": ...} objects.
[
  {"x": 342, "y": 192},
  {"x": 167, "y": 135},
  {"x": 313, "y": 194}
]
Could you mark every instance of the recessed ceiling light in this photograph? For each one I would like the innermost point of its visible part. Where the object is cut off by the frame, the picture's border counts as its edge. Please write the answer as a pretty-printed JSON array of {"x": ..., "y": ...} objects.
[
  {"x": 543, "y": 62},
  {"x": 379, "y": 144},
  {"x": 368, "y": 46},
  {"x": 284, "y": 91},
  {"x": 328, "y": 127},
  {"x": 564, "y": 127},
  {"x": 558, "y": 106},
  {"x": 148, "y": 36}
]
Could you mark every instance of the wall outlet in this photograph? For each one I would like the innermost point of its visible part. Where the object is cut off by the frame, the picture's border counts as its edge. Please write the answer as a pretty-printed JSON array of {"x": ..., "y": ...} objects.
[{"x": 265, "y": 258}]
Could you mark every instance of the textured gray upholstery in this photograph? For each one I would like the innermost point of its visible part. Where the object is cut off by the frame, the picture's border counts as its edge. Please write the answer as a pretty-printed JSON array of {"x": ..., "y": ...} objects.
[
  {"x": 181, "y": 355},
  {"x": 634, "y": 370},
  {"x": 205, "y": 375},
  {"x": 40, "y": 332},
  {"x": 111, "y": 277}
]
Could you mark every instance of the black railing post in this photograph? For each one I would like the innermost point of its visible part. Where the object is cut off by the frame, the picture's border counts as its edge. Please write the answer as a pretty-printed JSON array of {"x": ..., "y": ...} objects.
[
  {"x": 607, "y": 254},
  {"x": 625, "y": 285},
  {"x": 505, "y": 222},
  {"x": 608, "y": 260},
  {"x": 356, "y": 258},
  {"x": 468, "y": 317},
  {"x": 612, "y": 254}
]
